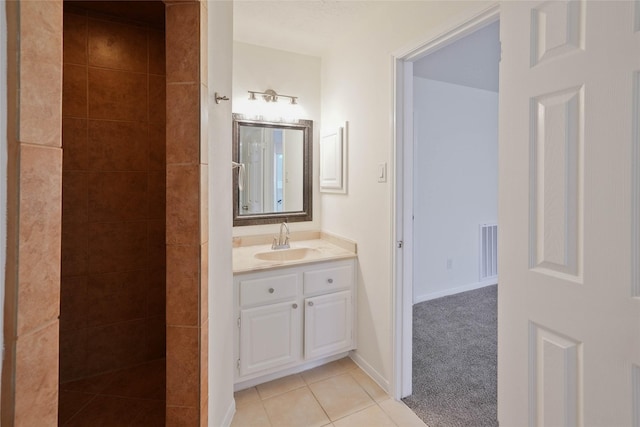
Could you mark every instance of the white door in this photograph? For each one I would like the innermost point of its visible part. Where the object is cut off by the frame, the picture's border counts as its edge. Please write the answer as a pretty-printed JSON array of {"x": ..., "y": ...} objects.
[
  {"x": 568, "y": 307},
  {"x": 327, "y": 324},
  {"x": 269, "y": 337}
]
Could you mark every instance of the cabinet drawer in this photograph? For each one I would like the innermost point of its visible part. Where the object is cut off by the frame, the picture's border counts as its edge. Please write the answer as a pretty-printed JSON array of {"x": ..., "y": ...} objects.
[
  {"x": 268, "y": 289},
  {"x": 328, "y": 279}
]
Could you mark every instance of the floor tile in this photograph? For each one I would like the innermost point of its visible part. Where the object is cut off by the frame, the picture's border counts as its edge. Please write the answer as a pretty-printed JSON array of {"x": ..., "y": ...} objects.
[
  {"x": 340, "y": 396},
  {"x": 331, "y": 369},
  {"x": 373, "y": 416},
  {"x": 348, "y": 364},
  {"x": 246, "y": 397},
  {"x": 369, "y": 385},
  {"x": 297, "y": 408},
  {"x": 401, "y": 414},
  {"x": 251, "y": 415},
  {"x": 279, "y": 386}
]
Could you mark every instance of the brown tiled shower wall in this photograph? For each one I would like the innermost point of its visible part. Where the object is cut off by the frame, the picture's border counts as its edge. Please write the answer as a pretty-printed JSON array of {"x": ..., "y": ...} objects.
[{"x": 112, "y": 312}]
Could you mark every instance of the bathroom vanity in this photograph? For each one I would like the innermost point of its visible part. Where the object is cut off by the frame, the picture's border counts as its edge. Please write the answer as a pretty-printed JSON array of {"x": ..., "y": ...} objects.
[{"x": 295, "y": 308}]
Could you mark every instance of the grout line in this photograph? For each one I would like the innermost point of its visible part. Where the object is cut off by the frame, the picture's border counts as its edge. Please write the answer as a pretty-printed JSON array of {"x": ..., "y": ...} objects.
[{"x": 80, "y": 410}]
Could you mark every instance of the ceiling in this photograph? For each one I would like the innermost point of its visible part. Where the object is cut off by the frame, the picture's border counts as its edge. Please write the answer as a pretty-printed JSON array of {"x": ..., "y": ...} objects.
[
  {"x": 306, "y": 27},
  {"x": 471, "y": 61}
]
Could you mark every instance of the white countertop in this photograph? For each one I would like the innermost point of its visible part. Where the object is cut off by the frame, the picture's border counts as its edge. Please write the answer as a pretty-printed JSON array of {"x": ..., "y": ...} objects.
[{"x": 325, "y": 247}]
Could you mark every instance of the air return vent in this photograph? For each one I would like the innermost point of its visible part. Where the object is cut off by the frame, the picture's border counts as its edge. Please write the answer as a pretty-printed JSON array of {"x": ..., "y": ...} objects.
[{"x": 488, "y": 251}]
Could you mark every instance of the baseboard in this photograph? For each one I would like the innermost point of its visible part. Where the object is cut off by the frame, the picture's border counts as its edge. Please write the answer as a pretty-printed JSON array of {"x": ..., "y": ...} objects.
[
  {"x": 375, "y": 375},
  {"x": 452, "y": 291},
  {"x": 231, "y": 411},
  {"x": 253, "y": 381}
]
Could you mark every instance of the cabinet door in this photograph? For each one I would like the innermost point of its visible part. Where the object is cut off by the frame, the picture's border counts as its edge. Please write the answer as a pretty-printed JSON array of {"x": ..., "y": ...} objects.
[
  {"x": 327, "y": 324},
  {"x": 269, "y": 337}
]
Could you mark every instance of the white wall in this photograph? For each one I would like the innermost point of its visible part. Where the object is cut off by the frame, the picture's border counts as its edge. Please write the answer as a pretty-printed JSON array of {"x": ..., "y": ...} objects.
[
  {"x": 357, "y": 86},
  {"x": 259, "y": 68},
  {"x": 455, "y": 183},
  {"x": 221, "y": 319}
]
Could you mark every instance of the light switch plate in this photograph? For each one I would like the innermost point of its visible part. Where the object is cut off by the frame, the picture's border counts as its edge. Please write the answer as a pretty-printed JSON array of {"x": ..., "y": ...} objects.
[{"x": 382, "y": 172}]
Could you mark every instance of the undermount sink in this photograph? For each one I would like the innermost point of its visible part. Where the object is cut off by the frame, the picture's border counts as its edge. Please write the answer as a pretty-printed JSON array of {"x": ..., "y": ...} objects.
[{"x": 286, "y": 254}]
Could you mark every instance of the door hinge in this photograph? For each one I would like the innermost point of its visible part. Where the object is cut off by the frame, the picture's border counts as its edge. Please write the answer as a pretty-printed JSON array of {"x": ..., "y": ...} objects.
[
  {"x": 238, "y": 364},
  {"x": 400, "y": 243},
  {"x": 238, "y": 322}
]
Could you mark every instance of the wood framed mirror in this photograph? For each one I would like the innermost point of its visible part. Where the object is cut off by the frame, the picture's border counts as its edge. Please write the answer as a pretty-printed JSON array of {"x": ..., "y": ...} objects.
[{"x": 272, "y": 170}]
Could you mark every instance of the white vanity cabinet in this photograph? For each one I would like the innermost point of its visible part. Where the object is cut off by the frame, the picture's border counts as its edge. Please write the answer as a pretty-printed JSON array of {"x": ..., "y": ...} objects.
[{"x": 293, "y": 315}]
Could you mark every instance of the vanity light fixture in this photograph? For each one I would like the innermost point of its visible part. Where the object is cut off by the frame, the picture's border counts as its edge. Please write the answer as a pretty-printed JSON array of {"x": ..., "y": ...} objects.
[{"x": 270, "y": 95}]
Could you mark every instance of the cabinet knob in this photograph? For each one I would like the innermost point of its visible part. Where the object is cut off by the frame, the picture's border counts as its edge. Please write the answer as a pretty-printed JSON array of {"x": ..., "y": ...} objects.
[
  {"x": 294, "y": 305},
  {"x": 271, "y": 290},
  {"x": 310, "y": 303},
  {"x": 330, "y": 280}
]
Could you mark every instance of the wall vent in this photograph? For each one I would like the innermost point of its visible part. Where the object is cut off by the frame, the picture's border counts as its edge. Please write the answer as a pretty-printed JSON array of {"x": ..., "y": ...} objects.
[{"x": 488, "y": 251}]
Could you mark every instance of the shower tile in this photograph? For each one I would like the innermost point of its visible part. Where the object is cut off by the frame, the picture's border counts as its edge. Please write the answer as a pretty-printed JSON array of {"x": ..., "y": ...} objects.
[
  {"x": 117, "y": 246},
  {"x": 183, "y": 374},
  {"x": 183, "y": 204},
  {"x": 155, "y": 337},
  {"x": 157, "y": 147},
  {"x": 183, "y": 23},
  {"x": 40, "y": 236},
  {"x": 156, "y": 52},
  {"x": 117, "y": 95},
  {"x": 157, "y": 247},
  {"x": 40, "y": 72},
  {"x": 146, "y": 381},
  {"x": 75, "y": 249},
  {"x": 157, "y": 97},
  {"x": 74, "y": 91},
  {"x": 117, "y": 146},
  {"x": 75, "y": 39},
  {"x": 75, "y": 196},
  {"x": 36, "y": 377},
  {"x": 115, "y": 346},
  {"x": 73, "y": 355},
  {"x": 116, "y": 297},
  {"x": 157, "y": 185},
  {"x": 181, "y": 416},
  {"x": 183, "y": 285},
  {"x": 183, "y": 123},
  {"x": 118, "y": 196},
  {"x": 73, "y": 303},
  {"x": 117, "y": 46},
  {"x": 107, "y": 411},
  {"x": 75, "y": 153},
  {"x": 70, "y": 403},
  {"x": 152, "y": 414}
]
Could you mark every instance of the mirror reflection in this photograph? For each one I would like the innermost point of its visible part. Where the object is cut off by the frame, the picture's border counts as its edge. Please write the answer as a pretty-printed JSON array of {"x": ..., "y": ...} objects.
[{"x": 273, "y": 182}]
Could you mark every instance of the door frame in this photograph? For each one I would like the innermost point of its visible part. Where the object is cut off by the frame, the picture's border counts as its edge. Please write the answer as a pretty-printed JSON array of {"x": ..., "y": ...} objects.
[{"x": 402, "y": 191}]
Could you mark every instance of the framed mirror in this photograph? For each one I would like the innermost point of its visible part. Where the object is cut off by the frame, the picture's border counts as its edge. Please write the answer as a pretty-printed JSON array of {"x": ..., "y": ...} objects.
[{"x": 272, "y": 181}]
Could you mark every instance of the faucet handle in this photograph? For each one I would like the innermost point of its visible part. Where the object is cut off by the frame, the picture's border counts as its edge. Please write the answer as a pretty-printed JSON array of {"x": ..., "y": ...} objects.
[{"x": 275, "y": 242}]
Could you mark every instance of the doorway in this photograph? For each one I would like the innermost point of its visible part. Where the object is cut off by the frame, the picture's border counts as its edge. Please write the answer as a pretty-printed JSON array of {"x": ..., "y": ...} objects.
[{"x": 407, "y": 205}]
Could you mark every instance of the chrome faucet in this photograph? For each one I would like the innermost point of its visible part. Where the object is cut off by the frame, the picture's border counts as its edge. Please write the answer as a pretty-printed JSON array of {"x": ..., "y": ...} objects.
[{"x": 282, "y": 241}]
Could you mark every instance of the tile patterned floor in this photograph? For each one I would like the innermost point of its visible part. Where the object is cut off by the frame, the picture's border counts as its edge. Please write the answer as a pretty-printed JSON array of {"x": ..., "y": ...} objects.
[
  {"x": 132, "y": 397},
  {"x": 337, "y": 394}
]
